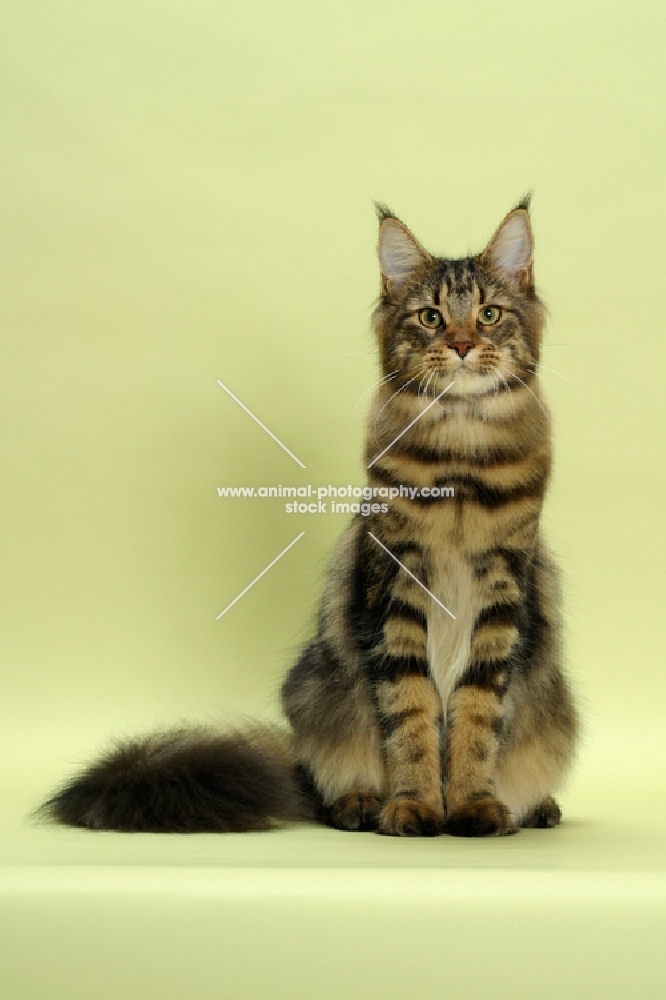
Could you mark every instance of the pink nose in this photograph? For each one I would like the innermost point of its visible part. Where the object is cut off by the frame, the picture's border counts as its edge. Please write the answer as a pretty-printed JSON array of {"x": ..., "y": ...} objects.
[{"x": 462, "y": 347}]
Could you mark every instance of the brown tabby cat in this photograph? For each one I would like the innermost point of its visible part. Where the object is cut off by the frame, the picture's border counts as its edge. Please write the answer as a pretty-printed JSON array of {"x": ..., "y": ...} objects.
[{"x": 405, "y": 719}]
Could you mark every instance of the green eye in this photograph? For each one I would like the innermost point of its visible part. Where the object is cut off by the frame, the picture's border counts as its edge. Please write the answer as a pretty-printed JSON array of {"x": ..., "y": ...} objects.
[
  {"x": 430, "y": 318},
  {"x": 489, "y": 315}
]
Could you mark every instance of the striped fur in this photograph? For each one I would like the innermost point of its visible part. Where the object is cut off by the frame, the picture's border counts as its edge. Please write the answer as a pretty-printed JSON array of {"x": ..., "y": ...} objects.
[
  {"x": 465, "y": 724},
  {"x": 406, "y": 720}
]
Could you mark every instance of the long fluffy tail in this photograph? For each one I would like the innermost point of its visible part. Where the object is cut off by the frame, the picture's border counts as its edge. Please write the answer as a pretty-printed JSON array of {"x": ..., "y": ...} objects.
[{"x": 188, "y": 781}]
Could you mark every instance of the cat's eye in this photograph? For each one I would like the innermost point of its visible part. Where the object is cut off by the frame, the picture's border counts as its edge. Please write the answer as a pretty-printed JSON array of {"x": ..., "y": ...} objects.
[
  {"x": 489, "y": 315},
  {"x": 431, "y": 318}
]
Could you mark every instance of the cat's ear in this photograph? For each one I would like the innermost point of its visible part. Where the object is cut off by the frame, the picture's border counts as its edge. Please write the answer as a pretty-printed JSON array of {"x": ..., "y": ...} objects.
[
  {"x": 509, "y": 253},
  {"x": 400, "y": 253}
]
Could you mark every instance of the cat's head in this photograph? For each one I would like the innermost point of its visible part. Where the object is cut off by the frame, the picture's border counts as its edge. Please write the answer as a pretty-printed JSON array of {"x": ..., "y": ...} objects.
[{"x": 474, "y": 320}]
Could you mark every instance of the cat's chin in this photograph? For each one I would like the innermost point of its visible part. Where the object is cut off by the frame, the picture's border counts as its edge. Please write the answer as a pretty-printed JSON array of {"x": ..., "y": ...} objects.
[{"x": 466, "y": 382}]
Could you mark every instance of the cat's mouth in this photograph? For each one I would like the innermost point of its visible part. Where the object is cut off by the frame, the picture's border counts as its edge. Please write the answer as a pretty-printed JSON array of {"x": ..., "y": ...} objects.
[
  {"x": 469, "y": 380},
  {"x": 452, "y": 366}
]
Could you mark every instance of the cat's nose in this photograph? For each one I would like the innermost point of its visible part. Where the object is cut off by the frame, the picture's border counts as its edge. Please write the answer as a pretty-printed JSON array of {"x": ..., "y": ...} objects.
[{"x": 462, "y": 347}]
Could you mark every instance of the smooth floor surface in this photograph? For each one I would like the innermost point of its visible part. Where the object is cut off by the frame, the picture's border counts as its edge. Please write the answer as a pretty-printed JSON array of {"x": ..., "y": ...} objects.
[{"x": 579, "y": 911}]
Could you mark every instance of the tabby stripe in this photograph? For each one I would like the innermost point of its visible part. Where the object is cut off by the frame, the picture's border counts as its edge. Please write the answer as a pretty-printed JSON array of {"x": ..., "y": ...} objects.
[
  {"x": 490, "y": 675},
  {"x": 402, "y": 610},
  {"x": 514, "y": 560},
  {"x": 469, "y": 488},
  {"x": 497, "y": 726},
  {"x": 489, "y": 497},
  {"x": 402, "y": 318},
  {"x": 404, "y": 638},
  {"x": 497, "y": 614},
  {"x": 494, "y": 643},
  {"x": 483, "y": 459},
  {"x": 391, "y": 723},
  {"x": 381, "y": 473}
]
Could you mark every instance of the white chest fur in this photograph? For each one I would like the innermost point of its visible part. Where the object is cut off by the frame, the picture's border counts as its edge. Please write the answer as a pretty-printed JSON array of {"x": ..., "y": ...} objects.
[{"x": 448, "y": 639}]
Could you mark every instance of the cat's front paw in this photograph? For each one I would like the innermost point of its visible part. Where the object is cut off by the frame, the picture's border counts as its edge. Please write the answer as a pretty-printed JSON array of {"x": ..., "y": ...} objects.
[
  {"x": 410, "y": 818},
  {"x": 483, "y": 818}
]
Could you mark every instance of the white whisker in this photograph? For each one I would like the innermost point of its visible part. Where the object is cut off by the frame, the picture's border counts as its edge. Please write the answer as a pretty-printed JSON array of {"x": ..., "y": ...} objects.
[
  {"x": 401, "y": 389},
  {"x": 529, "y": 390},
  {"x": 424, "y": 379},
  {"x": 375, "y": 385},
  {"x": 553, "y": 370},
  {"x": 508, "y": 388}
]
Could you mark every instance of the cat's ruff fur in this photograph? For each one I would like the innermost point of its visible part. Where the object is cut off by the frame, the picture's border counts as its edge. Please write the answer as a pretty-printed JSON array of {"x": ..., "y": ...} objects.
[{"x": 403, "y": 719}]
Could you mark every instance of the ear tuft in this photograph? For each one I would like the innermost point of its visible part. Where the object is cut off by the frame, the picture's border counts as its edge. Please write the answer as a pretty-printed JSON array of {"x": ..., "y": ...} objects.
[
  {"x": 400, "y": 253},
  {"x": 383, "y": 211},
  {"x": 509, "y": 253},
  {"x": 525, "y": 202}
]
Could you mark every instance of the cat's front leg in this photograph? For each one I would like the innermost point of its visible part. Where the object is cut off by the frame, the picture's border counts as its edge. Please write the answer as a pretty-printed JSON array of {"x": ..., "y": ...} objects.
[
  {"x": 408, "y": 704},
  {"x": 476, "y": 719},
  {"x": 410, "y": 717}
]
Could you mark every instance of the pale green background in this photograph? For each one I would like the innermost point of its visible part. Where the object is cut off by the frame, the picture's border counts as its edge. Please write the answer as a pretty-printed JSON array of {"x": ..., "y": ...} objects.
[{"x": 187, "y": 196}]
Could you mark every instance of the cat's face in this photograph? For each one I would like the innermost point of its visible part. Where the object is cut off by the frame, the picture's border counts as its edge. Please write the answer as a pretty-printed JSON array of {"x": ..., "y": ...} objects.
[{"x": 475, "y": 321}]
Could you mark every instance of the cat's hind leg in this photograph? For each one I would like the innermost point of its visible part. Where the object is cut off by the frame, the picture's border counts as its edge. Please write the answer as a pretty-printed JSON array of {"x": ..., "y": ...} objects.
[
  {"x": 528, "y": 774},
  {"x": 336, "y": 736}
]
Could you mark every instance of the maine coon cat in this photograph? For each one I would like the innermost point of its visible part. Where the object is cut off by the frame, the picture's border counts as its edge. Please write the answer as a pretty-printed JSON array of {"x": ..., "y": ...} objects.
[{"x": 402, "y": 718}]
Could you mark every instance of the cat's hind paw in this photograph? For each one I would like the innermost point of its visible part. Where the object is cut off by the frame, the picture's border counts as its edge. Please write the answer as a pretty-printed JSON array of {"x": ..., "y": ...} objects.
[
  {"x": 547, "y": 814},
  {"x": 356, "y": 811}
]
